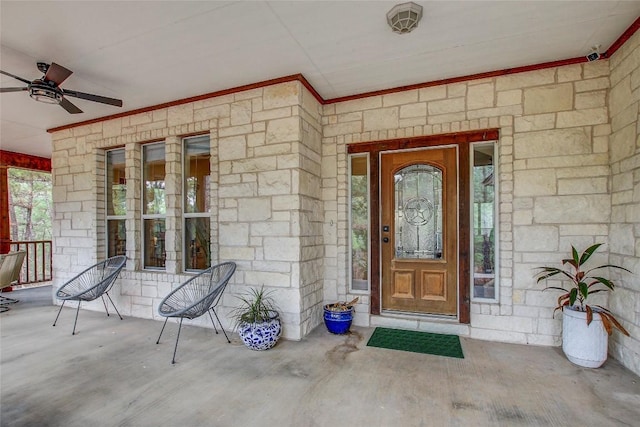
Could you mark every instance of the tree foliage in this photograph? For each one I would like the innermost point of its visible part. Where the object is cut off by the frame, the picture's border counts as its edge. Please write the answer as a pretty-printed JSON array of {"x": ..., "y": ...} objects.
[{"x": 30, "y": 204}]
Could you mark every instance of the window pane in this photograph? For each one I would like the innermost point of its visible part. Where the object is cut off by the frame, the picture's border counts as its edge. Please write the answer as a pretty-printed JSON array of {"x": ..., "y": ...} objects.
[
  {"x": 197, "y": 253},
  {"x": 483, "y": 222},
  {"x": 116, "y": 237},
  {"x": 154, "y": 250},
  {"x": 418, "y": 212},
  {"x": 116, "y": 183},
  {"x": 153, "y": 177},
  {"x": 196, "y": 175},
  {"x": 359, "y": 224}
]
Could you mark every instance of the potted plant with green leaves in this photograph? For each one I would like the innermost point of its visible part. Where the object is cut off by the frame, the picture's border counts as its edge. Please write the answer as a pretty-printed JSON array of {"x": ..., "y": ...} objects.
[
  {"x": 585, "y": 328},
  {"x": 258, "y": 320}
]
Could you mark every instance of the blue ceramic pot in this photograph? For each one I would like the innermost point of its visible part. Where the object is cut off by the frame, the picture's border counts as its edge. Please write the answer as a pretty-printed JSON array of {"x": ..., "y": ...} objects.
[
  {"x": 261, "y": 336},
  {"x": 338, "y": 322}
]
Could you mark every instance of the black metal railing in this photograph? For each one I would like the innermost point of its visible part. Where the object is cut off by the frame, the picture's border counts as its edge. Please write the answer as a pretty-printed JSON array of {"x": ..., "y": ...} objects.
[{"x": 38, "y": 265}]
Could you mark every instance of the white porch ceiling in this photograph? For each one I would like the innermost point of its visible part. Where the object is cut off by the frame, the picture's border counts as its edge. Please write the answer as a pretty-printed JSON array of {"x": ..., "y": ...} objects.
[{"x": 147, "y": 52}]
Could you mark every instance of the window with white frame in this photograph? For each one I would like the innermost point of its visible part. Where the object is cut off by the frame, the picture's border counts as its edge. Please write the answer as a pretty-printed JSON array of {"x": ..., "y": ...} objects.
[
  {"x": 153, "y": 205},
  {"x": 196, "y": 186},
  {"x": 359, "y": 222},
  {"x": 116, "y": 202},
  {"x": 483, "y": 222}
]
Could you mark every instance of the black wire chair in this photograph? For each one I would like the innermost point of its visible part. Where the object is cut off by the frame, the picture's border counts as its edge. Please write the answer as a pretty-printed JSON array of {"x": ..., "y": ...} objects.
[
  {"x": 195, "y": 297},
  {"x": 94, "y": 282}
]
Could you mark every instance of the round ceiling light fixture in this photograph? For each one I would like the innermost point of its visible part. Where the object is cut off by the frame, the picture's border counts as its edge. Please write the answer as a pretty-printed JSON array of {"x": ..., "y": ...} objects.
[{"x": 403, "y": 18}]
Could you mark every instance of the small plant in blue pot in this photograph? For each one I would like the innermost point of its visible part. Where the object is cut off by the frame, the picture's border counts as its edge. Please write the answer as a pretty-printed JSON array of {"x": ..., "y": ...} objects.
[
  {"x": 338, "y": 316},
  {"x": 257, "y": 320}
]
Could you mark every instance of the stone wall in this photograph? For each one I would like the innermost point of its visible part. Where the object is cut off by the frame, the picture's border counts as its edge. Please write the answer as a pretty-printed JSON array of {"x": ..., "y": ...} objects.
[
  {"x": 265, "y": 196},
  {"x": 553, "y": 167},
  {"x": 625, "y": 198},
  {"x": 568, "y": 161}
]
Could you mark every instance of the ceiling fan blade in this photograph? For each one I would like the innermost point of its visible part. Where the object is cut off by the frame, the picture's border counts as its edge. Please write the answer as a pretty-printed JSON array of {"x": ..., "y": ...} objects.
[
  {"x": 15, "y": 77},
  {"x": 95, "y": 98},
  {"x": 12, "y": 89},
  {"x": 67, "y": 105},
  {"x": 57, "y": 73}
]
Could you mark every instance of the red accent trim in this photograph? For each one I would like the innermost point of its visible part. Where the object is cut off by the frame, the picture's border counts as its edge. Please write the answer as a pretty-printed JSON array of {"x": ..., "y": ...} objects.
[
  {"x": 24, "y": 161},
  {"x": 623, "y": 38},
  {"x": 488, "y": 74},
  {"x": 295, "y": 77}
]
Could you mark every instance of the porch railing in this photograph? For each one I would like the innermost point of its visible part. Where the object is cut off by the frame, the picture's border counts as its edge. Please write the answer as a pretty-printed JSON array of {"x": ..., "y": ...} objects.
[{"x": 38, "y": 265}]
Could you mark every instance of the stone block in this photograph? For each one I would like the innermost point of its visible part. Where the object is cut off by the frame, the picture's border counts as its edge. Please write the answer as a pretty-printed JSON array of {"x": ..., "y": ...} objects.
[
  {"x": 383, "y": 118},
  {"x": 535, "y": 122},
  {"x": 540, "y": 182},
  {"x": 359, "y": 104},
  {"x": 413, "y": 110},
  {"x": 592, "y": 84},
  {"x": 480, "y": 96},
  {"x": 281, "y": 95},
  {"x": 535, "y": 238},
  {"x": 254, "y": 209},
  {"x": 570, "y": 73},
  {"x": 432, "y": 93},
  {"x": 561, "y": 142},
  {"x": 509, "y": 97},
  {"x": 399, "y": 98},
  {"x": 588, "y": 100},
  {"x": 446, "y": 106},
  {"x": 572, "y": 209},
  {"x": 527, "y": 79},
  {"x": 595, "y": 185},
  {"x": 210, "y": 113},
  {"x": 234, "y": 234},
  {"x": 232, "y": 148},
  {"x": 589, "y": 117},
  {"x": 179, "y": 115},
  {"x": 548, "y": 99},
  {"x": 622, "y": 143},
  {"x": 282, "y": 248},
  {"x": 282, "y": 130},
  {"x": 274, "y": 182}
]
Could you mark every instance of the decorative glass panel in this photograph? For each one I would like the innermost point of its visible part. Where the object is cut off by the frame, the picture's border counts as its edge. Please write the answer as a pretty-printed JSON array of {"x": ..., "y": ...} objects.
[
  {"x": 197, "y": 232},
  {"x": 359, "y": 192},
  {"x": 418, "y": 212},
  {"x": 483, "y": 221},
  {"x": 154, "y": 253}
]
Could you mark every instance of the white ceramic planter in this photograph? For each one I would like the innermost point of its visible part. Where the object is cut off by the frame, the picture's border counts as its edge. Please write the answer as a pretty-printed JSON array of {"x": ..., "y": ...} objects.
[{"x": 585, "y": 345}]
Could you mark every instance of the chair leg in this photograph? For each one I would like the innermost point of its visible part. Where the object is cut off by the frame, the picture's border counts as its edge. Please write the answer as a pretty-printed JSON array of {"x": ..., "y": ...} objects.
[
  {"x": 114, "y": 306},
  {"x": 105, "y": 305},
  {"x": 76, "y": 321},
  {"x": 221, "y": 327},
  {"x": 162, "y": 330},
  {"x": 173, "y": 361},
  {"x": 54, "y": 322}
]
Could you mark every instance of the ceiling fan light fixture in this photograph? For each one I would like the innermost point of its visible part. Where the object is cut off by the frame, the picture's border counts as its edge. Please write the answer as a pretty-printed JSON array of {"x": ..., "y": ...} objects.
[
  {"x": 44, "y": 93},
  {"x": 404, "y": 17}
]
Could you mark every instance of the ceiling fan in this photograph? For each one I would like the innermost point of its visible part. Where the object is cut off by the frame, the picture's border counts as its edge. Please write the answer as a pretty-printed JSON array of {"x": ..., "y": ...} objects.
[{"x": 47, "y": 88}]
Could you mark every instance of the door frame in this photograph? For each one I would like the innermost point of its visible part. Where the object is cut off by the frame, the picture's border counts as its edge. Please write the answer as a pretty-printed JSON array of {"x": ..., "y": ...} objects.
[{"x": 462, "y": 140}]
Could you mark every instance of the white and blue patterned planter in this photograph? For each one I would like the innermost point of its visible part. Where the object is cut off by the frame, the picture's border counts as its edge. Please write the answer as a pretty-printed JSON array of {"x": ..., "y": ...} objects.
[{"x": 260, "y": 336}]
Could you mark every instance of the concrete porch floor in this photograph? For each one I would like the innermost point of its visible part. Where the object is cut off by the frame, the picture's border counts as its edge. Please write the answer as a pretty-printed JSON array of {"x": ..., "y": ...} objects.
[{"x": 113, "y": 374}]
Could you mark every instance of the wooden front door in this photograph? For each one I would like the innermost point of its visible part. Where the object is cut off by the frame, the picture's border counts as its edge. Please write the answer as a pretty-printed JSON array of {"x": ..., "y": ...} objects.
[{"x": 419, "y": 231}]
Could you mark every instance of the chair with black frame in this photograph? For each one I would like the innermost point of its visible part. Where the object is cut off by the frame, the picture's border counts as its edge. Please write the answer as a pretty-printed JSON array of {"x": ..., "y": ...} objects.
[
  {"x": 10, "y": 267},
  {"x": 94, "y": 282},
  {"x": 195, "y": 297}
]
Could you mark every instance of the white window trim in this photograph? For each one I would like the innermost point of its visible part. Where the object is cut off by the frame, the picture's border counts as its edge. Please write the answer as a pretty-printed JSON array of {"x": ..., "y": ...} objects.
[
  {"x": 150, "y": 216},
  {"x": 349, "y": 225},
  {"x": 190, "y": 215},
  {"x": 496, "y": 223},
  {"x": 106, "y": 200}
]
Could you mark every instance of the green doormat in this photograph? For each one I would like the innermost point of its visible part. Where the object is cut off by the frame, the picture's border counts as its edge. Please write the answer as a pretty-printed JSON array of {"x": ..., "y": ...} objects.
[{"x": 417, "y": 342}]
